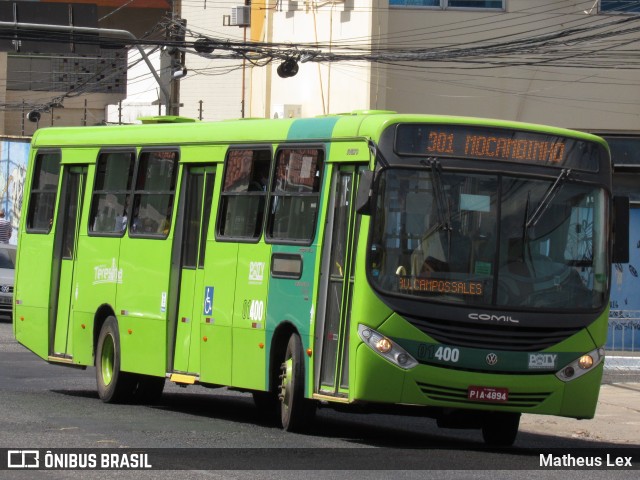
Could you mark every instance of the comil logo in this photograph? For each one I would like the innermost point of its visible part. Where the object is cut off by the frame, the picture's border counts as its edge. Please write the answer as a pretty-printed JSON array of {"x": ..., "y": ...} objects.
[
  {"x": 23, "y": 459},
  {"x": 485, "y": 317}
]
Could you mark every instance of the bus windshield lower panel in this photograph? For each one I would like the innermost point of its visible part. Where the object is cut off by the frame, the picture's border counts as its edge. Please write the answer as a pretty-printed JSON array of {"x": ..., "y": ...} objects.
[{"x": 489, "y": 240}]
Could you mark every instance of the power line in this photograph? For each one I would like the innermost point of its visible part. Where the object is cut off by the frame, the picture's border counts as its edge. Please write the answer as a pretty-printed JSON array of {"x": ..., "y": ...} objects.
[{"x": 584, "y": 41}]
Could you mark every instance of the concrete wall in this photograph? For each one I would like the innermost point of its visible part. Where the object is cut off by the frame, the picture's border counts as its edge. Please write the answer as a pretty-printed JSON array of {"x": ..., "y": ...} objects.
[
  {"x": 584, "y": 98},
  {"x": 74, "y": 112},
  {"x": 140, "y": 19}
]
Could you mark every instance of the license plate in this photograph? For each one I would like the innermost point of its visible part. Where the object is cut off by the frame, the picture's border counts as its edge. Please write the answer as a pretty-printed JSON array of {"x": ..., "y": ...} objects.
[
  {"x": 5, "y": 299},
  {"x": 487, "y": 394}
]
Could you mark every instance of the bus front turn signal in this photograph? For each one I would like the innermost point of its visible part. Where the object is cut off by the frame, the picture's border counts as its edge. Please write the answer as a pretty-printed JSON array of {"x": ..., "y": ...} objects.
[{"x": 386, "y": 348}]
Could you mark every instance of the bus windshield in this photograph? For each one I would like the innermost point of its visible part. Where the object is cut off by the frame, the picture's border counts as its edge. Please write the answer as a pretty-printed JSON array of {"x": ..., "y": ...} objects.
[{"x": 489, "y": 240}]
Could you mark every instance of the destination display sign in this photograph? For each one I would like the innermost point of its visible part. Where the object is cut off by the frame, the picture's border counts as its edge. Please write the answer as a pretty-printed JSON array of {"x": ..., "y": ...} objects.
[
  {"x": 431, "y": 285},
  {"x": 500, "y": 144}
]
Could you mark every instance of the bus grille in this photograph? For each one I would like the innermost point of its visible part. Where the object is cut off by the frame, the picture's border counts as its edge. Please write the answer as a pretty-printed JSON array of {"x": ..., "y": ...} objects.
[
  {"x": 440, "y": 393},
  {"x": 499, "y": 337}
]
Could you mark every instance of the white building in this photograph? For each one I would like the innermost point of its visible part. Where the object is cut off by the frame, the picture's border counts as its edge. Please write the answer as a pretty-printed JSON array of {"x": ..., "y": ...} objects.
[{"x": 213, "y": 88}]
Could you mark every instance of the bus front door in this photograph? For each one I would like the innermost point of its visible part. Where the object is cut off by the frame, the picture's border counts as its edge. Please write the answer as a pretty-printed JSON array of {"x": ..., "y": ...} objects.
[
  {"x": 197, "y": 195},
  {"x": 336, "y": 284},
  {"x": 64, "y": 262}
]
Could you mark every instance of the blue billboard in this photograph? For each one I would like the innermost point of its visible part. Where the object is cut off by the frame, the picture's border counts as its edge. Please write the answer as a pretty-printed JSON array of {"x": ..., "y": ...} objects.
[{"x": 14, "y": 154}]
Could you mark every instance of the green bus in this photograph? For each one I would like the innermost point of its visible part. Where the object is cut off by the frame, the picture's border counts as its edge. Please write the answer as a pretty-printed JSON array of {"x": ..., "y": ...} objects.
[{"x": 449, "y": 267}]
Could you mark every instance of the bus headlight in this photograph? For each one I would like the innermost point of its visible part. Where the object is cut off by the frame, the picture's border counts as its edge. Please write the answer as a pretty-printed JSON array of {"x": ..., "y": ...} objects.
[
  {"x": 386, "y": 348},
  {"x": 582, "y": 365},
  {"x": 585, "y": 362}
]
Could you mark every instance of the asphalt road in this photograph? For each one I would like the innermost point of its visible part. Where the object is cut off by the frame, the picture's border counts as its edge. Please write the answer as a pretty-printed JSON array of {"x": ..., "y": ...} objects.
[{"x": 50, "y": 407}]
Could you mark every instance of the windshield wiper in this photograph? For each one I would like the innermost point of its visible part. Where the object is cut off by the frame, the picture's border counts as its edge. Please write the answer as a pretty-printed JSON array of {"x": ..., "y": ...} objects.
[
  {"x": 550, "y": 194},
  {"x": 442, "y": 204},
  {"x": 525, "y": 232}
]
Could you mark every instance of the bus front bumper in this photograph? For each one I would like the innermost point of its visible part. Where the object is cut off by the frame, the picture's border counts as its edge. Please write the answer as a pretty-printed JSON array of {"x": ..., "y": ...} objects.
[{"x": 378, "y": 380}]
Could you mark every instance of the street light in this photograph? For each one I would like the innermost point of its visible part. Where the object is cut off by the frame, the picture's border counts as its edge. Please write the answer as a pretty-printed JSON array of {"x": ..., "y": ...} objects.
[
  {"x": 34, "y": 116},
  {"x": 288, "y": 68},
  {"x": 179, "y": 72}
]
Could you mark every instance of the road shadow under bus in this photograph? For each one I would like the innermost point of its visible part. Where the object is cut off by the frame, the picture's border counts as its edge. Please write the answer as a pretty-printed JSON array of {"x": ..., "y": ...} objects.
[{"x": 358, "y": 430}]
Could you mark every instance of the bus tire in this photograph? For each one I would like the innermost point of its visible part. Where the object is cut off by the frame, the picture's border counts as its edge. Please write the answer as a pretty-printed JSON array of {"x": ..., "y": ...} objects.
[
  {"x": 114, "y": 386},
  {"x": 500, "y": 429},
  {"x": 296, "y": 412}
]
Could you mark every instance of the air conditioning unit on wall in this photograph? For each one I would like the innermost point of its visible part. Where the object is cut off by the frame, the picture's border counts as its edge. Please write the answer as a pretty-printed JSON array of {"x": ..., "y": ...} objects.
[{"x": 241, "y": 16}]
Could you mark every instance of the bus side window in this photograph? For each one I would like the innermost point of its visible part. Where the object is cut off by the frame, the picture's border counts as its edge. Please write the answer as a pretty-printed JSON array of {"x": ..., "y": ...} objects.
[
  {"x": 293, "y": 210},
  {"x": 244, "y": 193},
  {"x": 154, "y": 194},
  {"x": 42, "y": 200},
  {"x": 114, "y": 174}
]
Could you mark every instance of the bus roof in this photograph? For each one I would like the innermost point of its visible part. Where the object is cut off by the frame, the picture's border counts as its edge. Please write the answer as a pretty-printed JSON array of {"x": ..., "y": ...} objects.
[{"x": 177, "y": 130}]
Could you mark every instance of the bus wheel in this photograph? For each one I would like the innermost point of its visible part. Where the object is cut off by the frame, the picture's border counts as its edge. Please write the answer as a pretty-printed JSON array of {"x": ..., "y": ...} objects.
[
  {"x": 114, "y": 386},
  {"x": 296, "y": 412},
  {"x": 500, "y": 429}
]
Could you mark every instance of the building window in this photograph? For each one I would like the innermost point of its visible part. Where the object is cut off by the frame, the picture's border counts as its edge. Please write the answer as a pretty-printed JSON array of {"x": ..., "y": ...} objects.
[
  {"x": 44, "y": 188},
  {"x": 620, "y": 6},
  {"x": 244, "y": 193},
  {"x": 114, "y": 172},
  {"x": 153, "y": 194},
  {"x": 451, "y": 4},
  {"x": 296, "y": 190}
]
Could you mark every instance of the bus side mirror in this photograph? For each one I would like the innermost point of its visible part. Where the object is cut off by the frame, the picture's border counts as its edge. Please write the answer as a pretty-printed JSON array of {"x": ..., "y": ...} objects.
[
  {"x": 363, "y": 196},
  {"x": 620, "y": 229}
]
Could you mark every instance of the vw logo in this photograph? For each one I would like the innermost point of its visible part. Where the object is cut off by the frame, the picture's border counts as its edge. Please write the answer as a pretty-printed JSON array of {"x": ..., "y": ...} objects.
[
  {"x": 5, "y": 288},
  {"x": 492, "y": 359}
]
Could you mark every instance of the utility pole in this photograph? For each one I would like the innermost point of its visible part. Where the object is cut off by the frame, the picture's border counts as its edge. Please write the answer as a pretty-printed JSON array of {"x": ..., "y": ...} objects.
[
  {"x": 247, "y": 3},
  {"x": 176, "y": 33}
]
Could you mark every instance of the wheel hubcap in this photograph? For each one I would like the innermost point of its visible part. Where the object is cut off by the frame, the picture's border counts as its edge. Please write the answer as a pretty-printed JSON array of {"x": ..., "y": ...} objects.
[{"x": 107, "y": 360}]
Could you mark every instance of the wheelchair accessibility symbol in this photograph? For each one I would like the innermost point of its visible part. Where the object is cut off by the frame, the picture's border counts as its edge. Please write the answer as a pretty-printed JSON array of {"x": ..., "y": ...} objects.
[{"x": 208, "y": 301}]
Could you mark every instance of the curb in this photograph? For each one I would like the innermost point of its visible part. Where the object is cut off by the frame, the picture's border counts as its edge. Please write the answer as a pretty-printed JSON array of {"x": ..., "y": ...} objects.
[{"x": 621, "y": 370}]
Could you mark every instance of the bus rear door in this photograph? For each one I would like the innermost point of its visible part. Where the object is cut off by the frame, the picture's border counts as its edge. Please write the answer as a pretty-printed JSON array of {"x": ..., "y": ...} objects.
[
  {"x": 197, "y": 195},
  {"x": 65, "y": 257}
]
